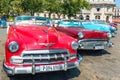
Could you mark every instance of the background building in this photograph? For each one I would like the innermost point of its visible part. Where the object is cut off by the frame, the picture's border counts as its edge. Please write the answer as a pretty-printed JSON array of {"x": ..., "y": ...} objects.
[
  {"x": 100, "y": 9},
  {"x": 116, "y": 14}
]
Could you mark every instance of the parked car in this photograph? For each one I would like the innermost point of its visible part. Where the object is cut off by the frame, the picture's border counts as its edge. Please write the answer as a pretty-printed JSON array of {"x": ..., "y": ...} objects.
[
  {"x": 88, "y": 39},
  {"x": 94, "y": 25},
  {"x": 116, "y": 20},
  {"x": 3, "y": 22},
  {"x": 104, "y": 23},
  {"x": 29, "y": 20},
  {"x": 20, "y": 20},
  {"x": 113, "y": 24},
  {"x": 31, "y": 49}
]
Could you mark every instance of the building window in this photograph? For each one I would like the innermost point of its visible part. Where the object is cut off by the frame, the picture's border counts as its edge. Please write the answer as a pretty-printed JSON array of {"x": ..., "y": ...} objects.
[
  {"x": 107, "y": 18},
  {"x": 87, "y": 17},
  {"x": 108, "y": 7},
  {"x": 97, "y": 17},
  {"x": 100, "y": 0},
  {"x": 81, "y": 17},
  {"x": 98, "y": 9}
]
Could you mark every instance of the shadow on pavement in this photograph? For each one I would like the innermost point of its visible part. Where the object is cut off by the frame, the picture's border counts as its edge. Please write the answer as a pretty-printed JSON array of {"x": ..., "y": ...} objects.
[
  {"x": 93, "y": 53},
  {"x": 59, "y": 75}
]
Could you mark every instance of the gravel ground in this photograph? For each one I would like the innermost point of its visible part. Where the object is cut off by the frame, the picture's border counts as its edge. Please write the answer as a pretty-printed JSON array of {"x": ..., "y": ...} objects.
[{"x": 103, "y": 65}]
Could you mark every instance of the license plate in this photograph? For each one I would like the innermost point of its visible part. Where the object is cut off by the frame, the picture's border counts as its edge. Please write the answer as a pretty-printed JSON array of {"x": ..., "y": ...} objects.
[
  {"x": 51, "y": 67},
  {"x": 99, "y": 47}
]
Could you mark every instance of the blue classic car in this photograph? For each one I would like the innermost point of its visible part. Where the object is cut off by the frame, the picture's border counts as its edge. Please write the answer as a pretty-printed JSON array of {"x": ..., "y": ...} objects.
[
  {"x": 3, "y": 22},
  {"x": 98, "y": 26}
]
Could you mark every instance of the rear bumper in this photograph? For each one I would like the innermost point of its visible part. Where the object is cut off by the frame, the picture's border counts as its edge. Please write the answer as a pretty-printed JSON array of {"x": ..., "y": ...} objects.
[{"x": 39, "y": 69}]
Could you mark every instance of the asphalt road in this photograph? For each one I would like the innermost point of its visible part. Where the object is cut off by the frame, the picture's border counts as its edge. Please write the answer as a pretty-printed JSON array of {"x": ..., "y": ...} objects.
[{"x": 103, "y": 65}]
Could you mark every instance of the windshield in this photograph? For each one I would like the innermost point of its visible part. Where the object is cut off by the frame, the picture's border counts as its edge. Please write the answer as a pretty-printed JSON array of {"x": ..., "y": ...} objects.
[
  {"x": 69, "y": 23},
  {"x": 86, "y": 22},
  {"x": 21, "y": 20},
  {"x": 99, "y": 21}
]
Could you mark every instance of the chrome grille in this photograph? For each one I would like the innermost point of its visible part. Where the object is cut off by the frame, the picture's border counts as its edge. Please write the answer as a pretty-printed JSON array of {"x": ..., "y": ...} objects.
[
  {"x": 93, "y": 43},
  {"x": 44, "y": 56}
]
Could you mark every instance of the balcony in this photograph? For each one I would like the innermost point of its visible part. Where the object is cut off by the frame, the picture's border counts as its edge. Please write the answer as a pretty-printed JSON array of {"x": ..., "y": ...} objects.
[{"x": 102, "y": 2}]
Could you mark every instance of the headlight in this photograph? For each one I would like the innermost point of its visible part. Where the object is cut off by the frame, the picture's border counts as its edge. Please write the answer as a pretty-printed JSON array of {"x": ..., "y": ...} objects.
[
  {"x": 109, "y": 35},
  {"x": 81, "y": 35},
  {"x": 13, "y": 46},
  {"x": 74, "y": 45}
]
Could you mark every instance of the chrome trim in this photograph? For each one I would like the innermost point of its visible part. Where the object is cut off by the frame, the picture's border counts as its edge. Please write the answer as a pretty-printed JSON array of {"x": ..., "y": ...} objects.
[
  {"x": 46, "y": 44},
  {"x": 113, "y": 34},
  {"x": 11, "y": 45},
  {"x": 33, "y": 69},
  {"x": 74, "y": 45},
  {"x": 110, "y": 44},
  {"x": 93, "y": 40},
  {"x": 45, "y": 51},
  {"x": 33, "y": 66},
  {"x": 80, "y": 35},
  {"x": 65, "y": 63},
  {"x": 92, "y": 47}
]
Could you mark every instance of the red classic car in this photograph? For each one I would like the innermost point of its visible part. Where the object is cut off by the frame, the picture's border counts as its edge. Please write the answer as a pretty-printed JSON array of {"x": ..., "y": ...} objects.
[
  {"x": 113, "y": 24},
  {"x": 34, "y": 48},
  {"x": 88, "y": 39}
]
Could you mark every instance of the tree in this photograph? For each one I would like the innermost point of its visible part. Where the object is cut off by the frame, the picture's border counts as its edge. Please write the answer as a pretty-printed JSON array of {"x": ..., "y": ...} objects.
[
  {"x": 32, "y": 6},
  {"x": 4, "y": 7},
  {"x": 66, "y": 7},
  {"x": 16, "y": 7},
  {"x": 58, "y": 8},
  {"x": 10, "y": 7},
  {"x": 72, "y": 7},
  {"x": 50, "y": 6}
]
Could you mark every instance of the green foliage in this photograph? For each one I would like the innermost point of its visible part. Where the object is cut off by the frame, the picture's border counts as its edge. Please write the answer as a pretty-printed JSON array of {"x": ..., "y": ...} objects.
[
  {"x": 16, "y": 7},
  {"x": 72, "y": 7},
  {"x": 32, "y": 6},
  {"x": 53, "y": 6},
  {"x": 4, "y": 7},
  {"x": 66, "y": 7}
]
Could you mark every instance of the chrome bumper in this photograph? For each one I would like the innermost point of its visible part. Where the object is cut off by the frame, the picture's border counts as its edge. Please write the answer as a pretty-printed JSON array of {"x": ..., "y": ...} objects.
[
  {"x": 94, "y": 44},
  {"x": 114, "y": 33},
  {"x": 37, "y": 69}
]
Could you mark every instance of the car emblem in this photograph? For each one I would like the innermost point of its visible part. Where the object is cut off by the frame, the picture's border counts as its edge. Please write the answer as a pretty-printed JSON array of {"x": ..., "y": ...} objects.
[{"x": 47, "y": 44}]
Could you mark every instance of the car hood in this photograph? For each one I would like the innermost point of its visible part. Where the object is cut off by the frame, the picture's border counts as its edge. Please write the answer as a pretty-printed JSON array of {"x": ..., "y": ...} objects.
[
  {"x": 36, "y": 37},
  {"x": 87, "y": 32},
  {"x": 107, "y": 26},
  {"x": 97, "y": 27},
  {"x": 104, "y": 25}
]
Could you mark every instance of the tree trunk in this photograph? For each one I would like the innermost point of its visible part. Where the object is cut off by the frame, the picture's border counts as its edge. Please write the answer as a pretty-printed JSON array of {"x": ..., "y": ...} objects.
[
  {"x": 58, "y": 15},
  {"x": 50, "y": 14},
  {"x": 32, "y": 13}
]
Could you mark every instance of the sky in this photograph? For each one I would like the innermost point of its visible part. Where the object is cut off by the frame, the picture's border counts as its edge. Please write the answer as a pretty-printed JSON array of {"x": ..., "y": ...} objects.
[{"x": 117, "y": 3}]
